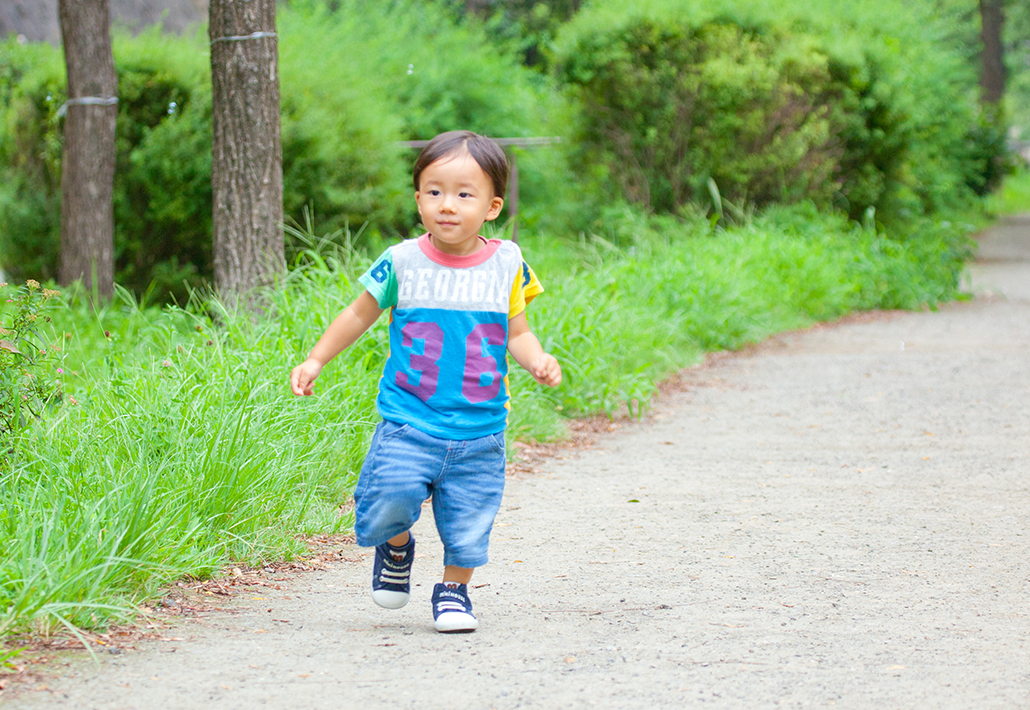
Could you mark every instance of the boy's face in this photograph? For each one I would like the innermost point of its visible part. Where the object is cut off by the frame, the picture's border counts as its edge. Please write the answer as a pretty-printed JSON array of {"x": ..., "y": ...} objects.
[{"x": 455, "y": 197}]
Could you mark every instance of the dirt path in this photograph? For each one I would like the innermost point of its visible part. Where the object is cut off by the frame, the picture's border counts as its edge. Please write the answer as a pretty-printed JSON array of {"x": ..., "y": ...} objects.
[{"x": 837, "y": 518}]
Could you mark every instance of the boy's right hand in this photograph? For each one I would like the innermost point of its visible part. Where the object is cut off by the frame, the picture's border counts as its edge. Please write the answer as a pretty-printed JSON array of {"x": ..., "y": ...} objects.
[{"x": 302, "y": 379}]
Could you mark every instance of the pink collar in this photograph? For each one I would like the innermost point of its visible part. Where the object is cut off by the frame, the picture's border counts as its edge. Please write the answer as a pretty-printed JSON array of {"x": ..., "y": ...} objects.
[{"x": 458, "y": 262}]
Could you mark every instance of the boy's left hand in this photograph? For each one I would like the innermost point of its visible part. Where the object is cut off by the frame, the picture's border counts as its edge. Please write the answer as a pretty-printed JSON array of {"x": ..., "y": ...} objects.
[{"x": 546, "y": 370}]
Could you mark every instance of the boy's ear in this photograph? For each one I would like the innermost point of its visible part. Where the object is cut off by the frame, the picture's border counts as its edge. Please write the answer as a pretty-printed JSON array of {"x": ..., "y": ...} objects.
[
  {"x": 419, "y": 204},
  {"x": 495, "y": 208}
]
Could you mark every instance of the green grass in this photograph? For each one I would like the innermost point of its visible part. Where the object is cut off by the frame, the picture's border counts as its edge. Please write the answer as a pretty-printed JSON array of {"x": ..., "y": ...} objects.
[
  {"x": 1014, "y": 195},
  {"x": 185, "y": 448}
]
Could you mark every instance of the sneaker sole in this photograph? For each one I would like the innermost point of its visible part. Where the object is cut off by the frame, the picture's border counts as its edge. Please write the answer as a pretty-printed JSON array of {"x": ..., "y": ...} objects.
[
  {"x": 454, "y": 622},
  {"x": 389, "y": 599}
]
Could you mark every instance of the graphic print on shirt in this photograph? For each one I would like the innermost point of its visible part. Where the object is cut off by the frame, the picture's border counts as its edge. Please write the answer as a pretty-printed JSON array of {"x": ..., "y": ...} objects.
[
  {"x": 443, "y": 287},
  {"x": 446, "y": 374}
]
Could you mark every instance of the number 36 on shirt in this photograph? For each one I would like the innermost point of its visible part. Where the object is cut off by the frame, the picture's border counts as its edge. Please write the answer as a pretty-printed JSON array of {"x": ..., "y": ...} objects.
[{"x": 482, "y": 375}]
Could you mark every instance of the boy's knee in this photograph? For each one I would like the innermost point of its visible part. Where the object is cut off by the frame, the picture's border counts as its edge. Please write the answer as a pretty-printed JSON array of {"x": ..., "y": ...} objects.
[
  {"x": 379, "y": 520},
  {"x": 397, "y": 514}
]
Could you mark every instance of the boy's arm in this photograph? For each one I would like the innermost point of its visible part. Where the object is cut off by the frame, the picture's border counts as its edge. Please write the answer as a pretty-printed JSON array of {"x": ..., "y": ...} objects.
[
  {"x": 340, "y": 335},
  {"x": 528, "y": 352}
]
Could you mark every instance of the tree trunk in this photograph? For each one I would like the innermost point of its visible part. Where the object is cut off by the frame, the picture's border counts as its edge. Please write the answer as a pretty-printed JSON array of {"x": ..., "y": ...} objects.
[
  {"x": 246, "y": 171},
  {"x": 992, "y": 75},
  {"x": 478, "y": 7},
  {"x": 87, "y": 170}
]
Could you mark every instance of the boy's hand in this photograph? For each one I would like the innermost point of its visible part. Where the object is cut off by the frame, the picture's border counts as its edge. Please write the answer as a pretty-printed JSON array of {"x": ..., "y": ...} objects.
[
  {"x": 302, "y": 379},
  {"x": 546, "y": 370},
  {"x": 525, "y": 348}
]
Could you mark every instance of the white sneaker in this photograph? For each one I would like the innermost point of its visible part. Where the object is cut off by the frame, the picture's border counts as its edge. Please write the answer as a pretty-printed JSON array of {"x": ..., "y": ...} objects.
[
  {"x": 391, "y": 576},
  {"x": 452, "y": 610}
]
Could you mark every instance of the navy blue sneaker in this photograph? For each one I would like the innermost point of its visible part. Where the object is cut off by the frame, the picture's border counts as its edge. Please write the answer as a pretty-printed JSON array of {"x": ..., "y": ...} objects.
[
  {"x": 452, "y": 610},
  {"x": 391, "y": 577}
]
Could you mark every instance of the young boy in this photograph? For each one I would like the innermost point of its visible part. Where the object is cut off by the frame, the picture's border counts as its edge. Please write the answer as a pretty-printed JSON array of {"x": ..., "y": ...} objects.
[{"x": 457, "y": 301}]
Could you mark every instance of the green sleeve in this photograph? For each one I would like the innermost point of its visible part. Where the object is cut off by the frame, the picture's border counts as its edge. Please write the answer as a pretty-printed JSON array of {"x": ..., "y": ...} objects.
[{"x": 381, "y": 281}]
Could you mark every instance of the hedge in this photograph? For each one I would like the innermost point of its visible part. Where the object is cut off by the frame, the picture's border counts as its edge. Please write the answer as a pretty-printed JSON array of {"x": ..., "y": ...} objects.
[{"x": 777, "y": 102}]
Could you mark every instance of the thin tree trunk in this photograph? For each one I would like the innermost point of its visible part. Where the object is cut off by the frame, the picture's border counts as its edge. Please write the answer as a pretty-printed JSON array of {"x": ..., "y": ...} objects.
[
  {"x": 247, "y": 178},
  {"x": 87, "y": 170},
  {"x": 478, "y": 7},
  {"x": 992, "y": 75}
]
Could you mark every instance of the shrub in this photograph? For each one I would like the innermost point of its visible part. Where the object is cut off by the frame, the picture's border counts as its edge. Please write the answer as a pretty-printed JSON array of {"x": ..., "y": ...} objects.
[
  {"x": 31, "y": 89},
  {"x": 775, "y": 101},
  {"x": 675, "y": 106},
  {"x": 162, "y": 192}
]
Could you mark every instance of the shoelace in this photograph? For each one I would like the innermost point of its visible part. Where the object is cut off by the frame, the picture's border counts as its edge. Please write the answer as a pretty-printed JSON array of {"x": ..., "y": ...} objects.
[
  {"x": 395, "y": 571},
  {"x": 391, "y": 577}
]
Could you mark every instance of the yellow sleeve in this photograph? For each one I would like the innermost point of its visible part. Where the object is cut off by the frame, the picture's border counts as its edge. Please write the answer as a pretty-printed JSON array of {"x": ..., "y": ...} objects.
[
  {"x": 525, "y": 288},
  {"x": 531, "y": 285}
]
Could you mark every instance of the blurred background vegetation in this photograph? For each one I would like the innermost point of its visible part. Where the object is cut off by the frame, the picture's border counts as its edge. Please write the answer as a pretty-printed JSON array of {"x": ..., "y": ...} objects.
[{"x": 669, "y": 106}]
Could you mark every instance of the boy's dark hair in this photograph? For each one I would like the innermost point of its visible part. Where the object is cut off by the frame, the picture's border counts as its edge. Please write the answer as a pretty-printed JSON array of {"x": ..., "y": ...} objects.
[{"x": 485, "y": 151}]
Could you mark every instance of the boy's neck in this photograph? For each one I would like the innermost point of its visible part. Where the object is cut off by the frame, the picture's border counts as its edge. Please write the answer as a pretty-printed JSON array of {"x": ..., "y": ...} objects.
[{"x": 466, "y": 248}]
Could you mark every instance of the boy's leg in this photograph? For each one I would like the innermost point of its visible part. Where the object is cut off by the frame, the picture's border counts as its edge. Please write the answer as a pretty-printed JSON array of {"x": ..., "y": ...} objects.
[
  {"x": 392, "y": 486},
  {"x": 457, "y": 575},
  {"x": 394, "y": 481},
  {"x": 466, "y": 498}
]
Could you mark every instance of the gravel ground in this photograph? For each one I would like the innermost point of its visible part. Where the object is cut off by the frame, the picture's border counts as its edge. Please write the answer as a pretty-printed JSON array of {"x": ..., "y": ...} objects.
[{"x": 837, "y": 517}]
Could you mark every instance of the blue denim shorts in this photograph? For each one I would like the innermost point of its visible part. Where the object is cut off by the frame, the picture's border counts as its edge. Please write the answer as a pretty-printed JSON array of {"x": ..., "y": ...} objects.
[{"x": 405, "y": 466}]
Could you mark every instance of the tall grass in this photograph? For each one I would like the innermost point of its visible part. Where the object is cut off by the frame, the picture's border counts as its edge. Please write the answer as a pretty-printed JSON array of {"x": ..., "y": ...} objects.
[
  {"x": 184, "y": 448},
  {"x": 626, "y": 309}
]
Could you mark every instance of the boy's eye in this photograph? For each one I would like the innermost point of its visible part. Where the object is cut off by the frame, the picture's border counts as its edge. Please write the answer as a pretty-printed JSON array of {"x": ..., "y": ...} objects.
[
  {"x": 464, "y": 194},
  {"x": 434, "y": 193}
]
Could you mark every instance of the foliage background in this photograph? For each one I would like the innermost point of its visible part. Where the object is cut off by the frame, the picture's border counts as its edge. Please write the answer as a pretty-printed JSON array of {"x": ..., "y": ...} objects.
[
  {"x": 788, "y": 101},
  {"x": 963, "y": 19},
  {"x": 339, "y": 129}
]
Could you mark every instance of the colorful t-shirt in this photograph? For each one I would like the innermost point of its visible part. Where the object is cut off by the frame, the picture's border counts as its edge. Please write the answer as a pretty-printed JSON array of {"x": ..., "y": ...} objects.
[{"x": 447, "y": 373}]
